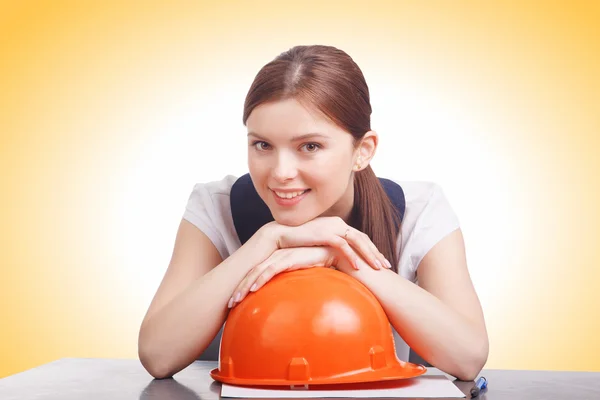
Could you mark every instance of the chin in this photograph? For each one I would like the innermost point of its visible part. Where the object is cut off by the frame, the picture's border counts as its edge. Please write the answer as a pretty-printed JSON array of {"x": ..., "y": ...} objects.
[
  {"x": 293, "y": 218},
  {"x": 289, "y": 220}
]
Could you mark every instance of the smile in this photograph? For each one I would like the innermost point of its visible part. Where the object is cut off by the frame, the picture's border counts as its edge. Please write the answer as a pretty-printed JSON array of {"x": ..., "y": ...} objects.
[
  {"x": 289, "y": 199},
  {"x": 289, "y": 195}
]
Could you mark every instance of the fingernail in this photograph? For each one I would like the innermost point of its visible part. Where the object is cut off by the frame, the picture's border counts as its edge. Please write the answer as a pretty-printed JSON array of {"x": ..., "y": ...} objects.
[
  {"x": 387, "y": 264},
  {"x": 230, "y": 304},
  {"x": 378, "y": 264},
  {"x": 356, "y": 263},
  {"x": 253, "y": 288},
  {"x": 237, "y": 296}
]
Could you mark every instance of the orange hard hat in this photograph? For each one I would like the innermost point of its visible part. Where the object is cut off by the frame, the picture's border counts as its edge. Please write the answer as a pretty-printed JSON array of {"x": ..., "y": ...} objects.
[{"x": 309, "y": 326}]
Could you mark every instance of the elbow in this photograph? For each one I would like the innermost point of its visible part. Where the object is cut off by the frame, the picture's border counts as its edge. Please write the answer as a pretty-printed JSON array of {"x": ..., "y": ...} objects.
[
  {"x": 473, "y": 362},
  {"x": 157, "y": 372},
  {"x": 152, "y": 360},
  {"x": 467, "y": 372},
  {"x": 159, "y": 369}
]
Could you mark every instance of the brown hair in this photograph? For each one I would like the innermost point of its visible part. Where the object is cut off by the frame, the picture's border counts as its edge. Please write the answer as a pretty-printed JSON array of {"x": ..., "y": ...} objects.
[{"x": 328, "y": 79}]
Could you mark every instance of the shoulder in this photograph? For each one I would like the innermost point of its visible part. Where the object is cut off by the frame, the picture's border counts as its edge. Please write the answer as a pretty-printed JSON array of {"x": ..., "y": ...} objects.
[
  {"x": 421, "y": 199},
  {"x": 220, "y": 187},
  {"x": 209, "y": 209},
  {"x": 421, "y": 195},
  {"x": 428, "y": 218},
  {"x": 209, "y": 199}
]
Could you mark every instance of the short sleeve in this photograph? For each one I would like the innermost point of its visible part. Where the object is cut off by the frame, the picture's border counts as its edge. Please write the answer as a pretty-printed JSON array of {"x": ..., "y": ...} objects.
[
  {"x": 202, "y": 212},
  {"x": 436, "y": 221}
]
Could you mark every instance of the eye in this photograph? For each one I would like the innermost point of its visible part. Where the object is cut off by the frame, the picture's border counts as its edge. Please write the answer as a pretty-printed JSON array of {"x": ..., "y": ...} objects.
[
  {"x": 261, "y": 145},
  {"x": 312, "y": 147}
]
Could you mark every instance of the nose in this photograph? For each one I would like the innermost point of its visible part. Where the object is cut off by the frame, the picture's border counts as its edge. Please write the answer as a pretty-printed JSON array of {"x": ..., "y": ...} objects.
[{"x": 285, "y": 168}]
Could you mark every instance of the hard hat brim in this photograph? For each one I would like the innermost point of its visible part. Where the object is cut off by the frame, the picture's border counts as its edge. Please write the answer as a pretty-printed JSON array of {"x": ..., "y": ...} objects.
[{"x": 404, "y": 370}]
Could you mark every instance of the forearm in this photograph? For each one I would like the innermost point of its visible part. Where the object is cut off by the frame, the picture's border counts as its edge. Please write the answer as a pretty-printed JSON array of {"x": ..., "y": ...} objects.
[
  {"x": 442, "y": 336},
  {"x": 179, "y": 332}
]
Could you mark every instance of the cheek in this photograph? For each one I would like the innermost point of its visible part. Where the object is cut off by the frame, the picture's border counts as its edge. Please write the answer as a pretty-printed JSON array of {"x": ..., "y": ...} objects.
[
  {"x": 258, "y": 170},
  {"x": 259, "y": 176},
  {"x": 330, "y": 183},
  {"x": 331, "y": 168}
]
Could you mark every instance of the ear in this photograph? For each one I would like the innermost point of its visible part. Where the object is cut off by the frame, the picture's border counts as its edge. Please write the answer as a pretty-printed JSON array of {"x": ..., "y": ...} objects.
[{"x": 365, "y": 151}]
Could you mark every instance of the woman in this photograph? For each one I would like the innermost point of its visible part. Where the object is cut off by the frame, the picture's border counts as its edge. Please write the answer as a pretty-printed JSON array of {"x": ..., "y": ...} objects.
[{"x": 309, "y": 147}]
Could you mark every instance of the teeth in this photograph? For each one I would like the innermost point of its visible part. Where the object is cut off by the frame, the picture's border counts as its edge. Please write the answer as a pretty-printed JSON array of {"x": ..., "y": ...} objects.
[{"x": 288, "y": 195}]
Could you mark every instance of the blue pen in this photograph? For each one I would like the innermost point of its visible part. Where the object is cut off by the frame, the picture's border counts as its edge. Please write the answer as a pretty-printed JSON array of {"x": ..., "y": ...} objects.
[{"x": 479, "y": 386}]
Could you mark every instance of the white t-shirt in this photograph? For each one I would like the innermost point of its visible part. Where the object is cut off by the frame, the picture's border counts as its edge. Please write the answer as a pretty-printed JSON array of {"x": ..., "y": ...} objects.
[{"x": 428, "y": 218}]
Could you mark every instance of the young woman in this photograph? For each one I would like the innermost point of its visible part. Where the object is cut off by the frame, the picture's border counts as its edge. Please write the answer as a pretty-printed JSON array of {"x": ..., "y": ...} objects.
[{"x": 309, "y": 147}]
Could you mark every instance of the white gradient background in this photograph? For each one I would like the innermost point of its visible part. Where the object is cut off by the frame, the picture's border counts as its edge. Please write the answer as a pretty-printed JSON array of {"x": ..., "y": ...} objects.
[{"x": 111, "y": 111}]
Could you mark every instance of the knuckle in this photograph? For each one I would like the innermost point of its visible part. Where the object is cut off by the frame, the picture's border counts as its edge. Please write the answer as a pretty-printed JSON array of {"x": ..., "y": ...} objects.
[
  {"x": 339, "y": 220},
  {"x": 259, "y": 281},
  {"x": 340, "y": 242},
  {"x": 270, "y": 270}
]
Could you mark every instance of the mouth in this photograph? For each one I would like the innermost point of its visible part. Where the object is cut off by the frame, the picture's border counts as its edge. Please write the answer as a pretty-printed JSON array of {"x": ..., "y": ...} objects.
[
  {"x": 289, "y": 195},
  {"x": 290, "y": 198}
]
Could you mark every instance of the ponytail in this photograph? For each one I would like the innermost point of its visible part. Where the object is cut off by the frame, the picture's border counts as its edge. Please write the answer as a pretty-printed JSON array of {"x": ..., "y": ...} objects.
[{"x": 375, "y": 215}]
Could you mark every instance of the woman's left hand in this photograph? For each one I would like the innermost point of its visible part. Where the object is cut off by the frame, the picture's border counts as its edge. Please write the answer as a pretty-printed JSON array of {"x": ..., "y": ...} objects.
[
  {"x": 282, "y": 260},
  {"x": 334, "y": 232}
]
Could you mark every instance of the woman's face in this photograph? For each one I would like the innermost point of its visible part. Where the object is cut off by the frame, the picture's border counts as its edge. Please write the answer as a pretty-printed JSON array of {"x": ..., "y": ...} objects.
[{"x": 312, "y": 173}]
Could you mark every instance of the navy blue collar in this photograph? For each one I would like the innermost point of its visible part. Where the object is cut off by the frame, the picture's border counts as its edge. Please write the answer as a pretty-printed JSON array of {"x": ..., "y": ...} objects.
[{"x": 250, "y": 212}]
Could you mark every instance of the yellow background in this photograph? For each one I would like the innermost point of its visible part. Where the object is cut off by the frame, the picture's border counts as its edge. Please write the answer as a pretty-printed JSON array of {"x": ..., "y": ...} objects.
[{"x": 111, "y": 111}]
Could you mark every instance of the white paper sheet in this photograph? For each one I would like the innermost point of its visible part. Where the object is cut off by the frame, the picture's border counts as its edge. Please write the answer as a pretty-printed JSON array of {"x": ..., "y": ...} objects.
[{"x": 425, "y": 386}]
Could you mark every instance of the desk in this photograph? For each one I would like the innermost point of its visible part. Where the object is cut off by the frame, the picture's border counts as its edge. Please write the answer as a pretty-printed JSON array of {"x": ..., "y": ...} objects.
[{"x": 91, "y": 379}]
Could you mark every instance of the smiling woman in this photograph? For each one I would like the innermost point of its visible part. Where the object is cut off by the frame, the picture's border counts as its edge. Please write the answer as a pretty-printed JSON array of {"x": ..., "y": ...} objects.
[{"x": 311, "y": 200}]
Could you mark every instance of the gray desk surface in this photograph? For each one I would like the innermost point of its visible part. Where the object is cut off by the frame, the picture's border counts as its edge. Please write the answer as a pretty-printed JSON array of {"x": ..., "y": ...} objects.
[{"x": 91, "y": 379}]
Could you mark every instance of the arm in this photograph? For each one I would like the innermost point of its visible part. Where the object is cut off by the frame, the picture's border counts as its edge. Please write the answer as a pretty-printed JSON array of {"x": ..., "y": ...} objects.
[
  {"x": 192, "y": 301},
  {"x": 441, "y": 319},
  {"x": 190, "y": 305}
]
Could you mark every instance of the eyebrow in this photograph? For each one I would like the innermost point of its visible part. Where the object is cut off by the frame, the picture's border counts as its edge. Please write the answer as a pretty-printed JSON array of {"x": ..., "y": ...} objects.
[{"x": 295, "y": 138}]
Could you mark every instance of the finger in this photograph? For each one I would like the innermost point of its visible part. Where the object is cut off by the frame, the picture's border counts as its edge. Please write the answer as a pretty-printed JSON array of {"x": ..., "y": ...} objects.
[
  {"x": 376, "y": 256},
  {"x": 365, "y": 247},
  {"x": 356, "y": 240},
  {"x": 236, "y": 296},
  {"x": 287, "y": 263},
  {"x": 244, "y": 286},
  {"x": 357, "y": 246},
  {"x": 249, "y": 282},
  {"x": 376, "y": 253},
  {"x": 347, "y": 250},
  {"x": 284, "y": 261},
  {"x": 265, "y": 277}
]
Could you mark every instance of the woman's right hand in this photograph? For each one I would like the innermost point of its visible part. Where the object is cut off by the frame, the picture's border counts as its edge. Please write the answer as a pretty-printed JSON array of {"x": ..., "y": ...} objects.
[
  {"x": 329, "y": 231},
  {"x": 283, "y": 260}
]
